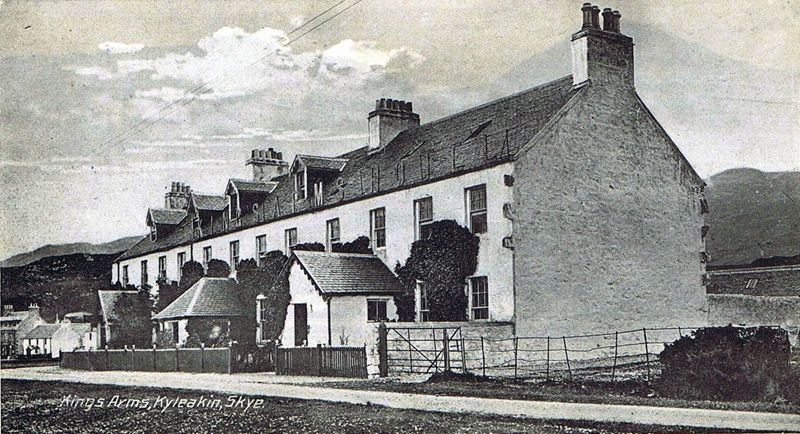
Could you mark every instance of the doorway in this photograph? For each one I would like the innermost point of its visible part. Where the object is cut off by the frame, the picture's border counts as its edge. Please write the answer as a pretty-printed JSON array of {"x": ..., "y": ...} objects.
[{"x": 300, "y": 325}]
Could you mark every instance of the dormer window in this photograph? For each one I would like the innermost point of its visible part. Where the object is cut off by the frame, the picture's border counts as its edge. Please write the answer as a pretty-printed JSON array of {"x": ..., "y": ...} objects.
[
  {"x": 300, "y": 184},
  {"x": 318, "y": 197},
  {"x": 153, "y": 232},
  {"x": 233, "y": 206}
]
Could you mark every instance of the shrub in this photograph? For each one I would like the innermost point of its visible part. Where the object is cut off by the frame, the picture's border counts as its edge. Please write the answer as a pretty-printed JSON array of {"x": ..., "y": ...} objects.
[
  {"x": 726, "y": 363},
  {"x": 218, "y": 268}
]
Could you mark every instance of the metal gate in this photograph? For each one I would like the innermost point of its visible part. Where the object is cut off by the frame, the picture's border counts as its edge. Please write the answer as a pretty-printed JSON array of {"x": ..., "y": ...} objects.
[{"x": 426, "y": 350}]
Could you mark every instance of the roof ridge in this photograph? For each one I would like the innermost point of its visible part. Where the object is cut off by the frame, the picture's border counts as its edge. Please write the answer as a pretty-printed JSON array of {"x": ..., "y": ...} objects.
[
  {"x": 494, "y": 101},
  {"x": 315, "y": 252},
  {"x": 321, "y": 156}
]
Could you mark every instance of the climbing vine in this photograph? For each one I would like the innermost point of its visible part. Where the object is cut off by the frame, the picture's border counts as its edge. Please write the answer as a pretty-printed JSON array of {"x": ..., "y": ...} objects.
[{"x": 443, "y": 261}]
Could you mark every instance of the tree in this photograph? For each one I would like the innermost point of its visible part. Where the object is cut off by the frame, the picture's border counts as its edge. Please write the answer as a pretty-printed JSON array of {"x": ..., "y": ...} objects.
[
  {"x": 270, "y": 280},
  {"x": 443, "y": 261},
  {"x": 191, "y": 272},
  {"x": 211, "y": 332},
  {"x": 311, "y": 247},
  {"x": 167, "y": 293},
  {"x": 218, "y": 268},
  {"x": 133, "y": 325}
]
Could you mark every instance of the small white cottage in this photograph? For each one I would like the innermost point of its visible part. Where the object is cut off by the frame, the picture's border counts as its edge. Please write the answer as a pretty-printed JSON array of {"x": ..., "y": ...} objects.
[{"x": 334, "y": 296}]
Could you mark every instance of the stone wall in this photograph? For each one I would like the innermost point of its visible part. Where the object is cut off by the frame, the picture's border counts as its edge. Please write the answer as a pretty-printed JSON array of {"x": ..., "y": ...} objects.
[{"x": 607, "y": 228}]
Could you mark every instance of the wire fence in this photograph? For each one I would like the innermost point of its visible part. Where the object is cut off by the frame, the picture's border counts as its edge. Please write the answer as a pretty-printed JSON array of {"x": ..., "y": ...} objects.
[{"x": 602, "y": 357}]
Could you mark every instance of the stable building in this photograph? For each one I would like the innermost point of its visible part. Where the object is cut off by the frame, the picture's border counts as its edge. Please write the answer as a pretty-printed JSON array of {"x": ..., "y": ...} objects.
[{"x": 590, "y": 218}]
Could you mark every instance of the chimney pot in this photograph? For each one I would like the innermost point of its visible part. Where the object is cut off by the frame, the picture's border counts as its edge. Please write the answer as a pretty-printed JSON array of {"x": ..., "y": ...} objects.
[
  {"x": 595, "y": 17},
  {"x": 587, "y": 15},
  {"x": 615, "y": 21},
  {"x": 608, "y": 20}
]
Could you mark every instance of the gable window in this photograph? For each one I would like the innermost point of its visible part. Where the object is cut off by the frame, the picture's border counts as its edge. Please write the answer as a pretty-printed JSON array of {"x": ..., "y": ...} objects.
[
  {"x": 261, "y": 248},
  {"x": 234, "y": 254},
  {"x": 334, "y": 234},
  {"x": 124, "y": 276},
  {"x": 162, "y": 267},
  {"x": 300, "y": 184},
  {"x": 424, "y": 310},
  {"x": 207, "y": 256},
  {"x": 376, "y": 310},
  {"x": 181, "y": 261},
  {"x": 476, "y": 209},
  {"x": 144, "y": 274},
  {"x": 290, "y": 240},
  {"x": 378, "y": 223},
  {"x": 751, "y": 284},
  {"x": 423, "y": 210},
  {"x": 318, "y": 193},
  {"x": 479, "y": 298}
]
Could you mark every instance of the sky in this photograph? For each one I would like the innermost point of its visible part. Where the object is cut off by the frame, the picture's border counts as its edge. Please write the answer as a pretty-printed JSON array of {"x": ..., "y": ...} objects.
[{"x": 104, "y": 103}]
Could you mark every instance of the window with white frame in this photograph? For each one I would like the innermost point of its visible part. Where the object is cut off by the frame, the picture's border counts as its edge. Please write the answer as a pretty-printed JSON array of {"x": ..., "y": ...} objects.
[
  {"x": 424, "y": 310},
  {"x": 162, "y": 267},
  {"x": 423, "y": 210},
  {"x": 300, "y": 184},
  {"x": 378, "y": 223},
  {"x": 207, "y": 256},
  {"x": 290, "y": 240},
  {"x": 234, "y": 254},
  {"x": 334, "y": 234},
  {"x": 262, "y": 318},
  {"x": 261, "y": 248},
  {"x": 376, "y": 310},
  {"x": 476, "y": 209},
  {"x": 181, "y": 261},
  {"x": 318, "y": 196},
  {"x": 124, "y": 276},
  {"x": 479, "y": 298},
  {"x": 144, "y": 277}
]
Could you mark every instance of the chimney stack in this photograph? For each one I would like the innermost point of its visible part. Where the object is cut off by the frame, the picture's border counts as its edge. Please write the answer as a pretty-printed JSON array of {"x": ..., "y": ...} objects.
[
  {"x": 8, "y": 308},
  {"x": 602, "y": 56},
  {"x": 267, "y": 164},
  {"x": 178, "y": 196},
  {"x": 389, "y": 118}
]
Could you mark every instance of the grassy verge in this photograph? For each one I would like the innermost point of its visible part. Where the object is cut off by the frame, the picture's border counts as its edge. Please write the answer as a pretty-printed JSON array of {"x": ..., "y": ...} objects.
[
  {"x": 621, "y": 393},
  {"x": 33, "y": 406}
]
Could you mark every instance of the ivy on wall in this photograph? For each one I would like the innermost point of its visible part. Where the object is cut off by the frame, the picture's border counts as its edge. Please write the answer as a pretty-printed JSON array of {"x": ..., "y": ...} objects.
[
  {"x": 271, "y": 280},
  {"x": 443, "y": 261}
]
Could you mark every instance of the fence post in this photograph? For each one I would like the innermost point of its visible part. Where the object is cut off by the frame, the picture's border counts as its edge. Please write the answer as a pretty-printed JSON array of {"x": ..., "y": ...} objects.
[
  {"x": 547, "y": 367},
  {"x": 154, "y": 357},
  {"x": 177, "y": 360},
  {"x": 446, "y": 350},
  {"x": 616, "y": 349},
  {"x": 566, "y": 356},
  {"x": 106, "y": 358},
  {"x": 680, "y": 332},
  {"x": 646, "y": 353},
  {"x": 383, "y": 351},
  {"x": 516, "y": 359},
  {"x": 435, "y": 353},
  {"x": 410, "y": 353},
  {"x": 483, "y": 358},
  {"x": 202, "y": 362},
  {"x": 463, "y": 352},
  {"x": 319, "y": 360}
]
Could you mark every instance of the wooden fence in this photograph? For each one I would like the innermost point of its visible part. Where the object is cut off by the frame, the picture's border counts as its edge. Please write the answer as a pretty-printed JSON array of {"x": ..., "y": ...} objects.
[
  {"x": 322, "y": 361},
  {"x": 154, "y": 360},
  {"x": 603, "y": 357}
]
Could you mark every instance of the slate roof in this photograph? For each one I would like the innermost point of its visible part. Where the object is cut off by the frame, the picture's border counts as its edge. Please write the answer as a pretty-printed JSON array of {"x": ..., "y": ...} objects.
[
  {"x": 161, "y": 216},
  {"x": 209, "y": 297},
  {"x": 44, "y": 331},
  {"x": 253, "y": 186},
  {"x": 776, "y": 281},
  {"x": 475, "y": 139},
  {"x": 209, "y": 202},
  {"x": 108, "y": 302},
  {"x": 322, "y": 163},
  {"x": 348, "y": 273}
]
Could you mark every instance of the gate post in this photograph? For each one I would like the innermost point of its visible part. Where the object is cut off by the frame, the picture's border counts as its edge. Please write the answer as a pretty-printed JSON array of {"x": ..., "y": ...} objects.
[
  {"x": 383, "y": 351},
  {"x": 446, "y": 350}
]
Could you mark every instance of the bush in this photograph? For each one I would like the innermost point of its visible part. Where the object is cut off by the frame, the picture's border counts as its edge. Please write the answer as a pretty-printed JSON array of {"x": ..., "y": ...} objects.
[
  {"x": 218, "y": 268},
  {"x": 727, "y": 363}
]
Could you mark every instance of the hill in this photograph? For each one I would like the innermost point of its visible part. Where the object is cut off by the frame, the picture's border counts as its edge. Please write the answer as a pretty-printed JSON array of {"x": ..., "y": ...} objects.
[
  {"x": 59, "y": 284},
  {"x": 119, "y": 245},
  {"x": 753, "y": 215}
]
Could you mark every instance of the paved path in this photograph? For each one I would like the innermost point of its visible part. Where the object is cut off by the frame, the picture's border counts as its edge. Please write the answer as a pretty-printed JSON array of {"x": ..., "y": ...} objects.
[{"x": 270, "y": 385}]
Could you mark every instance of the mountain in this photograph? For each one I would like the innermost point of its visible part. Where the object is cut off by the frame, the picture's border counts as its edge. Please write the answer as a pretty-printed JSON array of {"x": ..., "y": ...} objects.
[
  {"x": 753, "y": 215},
  {"x": 59, "y": 284},
  {"x": 119, "y": 245}
]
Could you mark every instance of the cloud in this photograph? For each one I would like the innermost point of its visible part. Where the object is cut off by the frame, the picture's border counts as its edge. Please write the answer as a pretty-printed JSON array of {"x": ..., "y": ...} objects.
[
  {"x": 120, "y": 48},
  {"x": 235, "y": 63}
]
